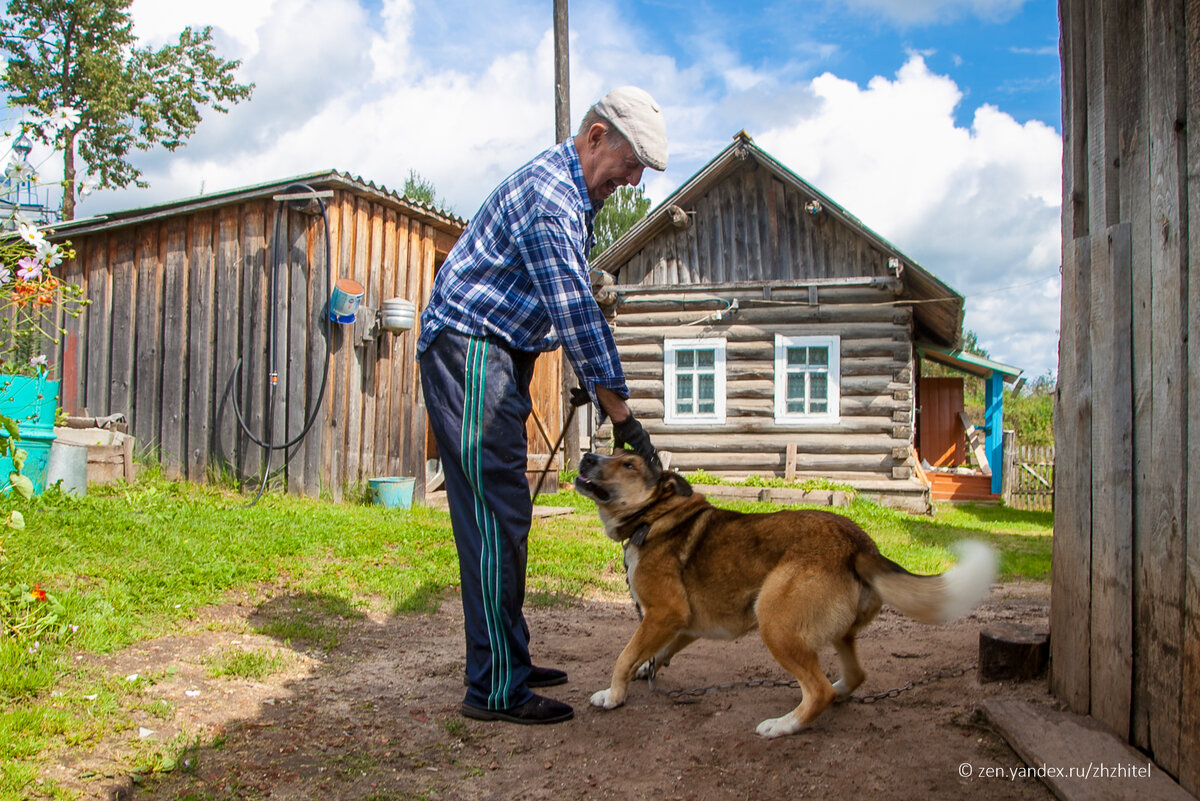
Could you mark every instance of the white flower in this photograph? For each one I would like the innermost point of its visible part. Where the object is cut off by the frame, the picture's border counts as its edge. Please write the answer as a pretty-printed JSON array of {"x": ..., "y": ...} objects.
[
  {"x": 65, "y": 117},
  {"x": 85, "y": 187},
  {"x": 5, "y": 274},
  {"x": 20, "y": 171},
  {"x": 38, "y": 361},
  {"x": 49, "y": 253},
  {"x": 20, "y": 217},
  {"x": 31, "y": 235}
]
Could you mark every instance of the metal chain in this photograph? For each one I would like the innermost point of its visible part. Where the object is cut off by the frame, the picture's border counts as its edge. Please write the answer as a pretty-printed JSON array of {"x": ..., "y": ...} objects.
[{"x": 895, "y": 692}]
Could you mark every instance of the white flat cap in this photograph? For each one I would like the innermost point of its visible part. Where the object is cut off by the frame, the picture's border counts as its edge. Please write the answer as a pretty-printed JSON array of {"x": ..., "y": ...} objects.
[{"x": 633, "y": 112}]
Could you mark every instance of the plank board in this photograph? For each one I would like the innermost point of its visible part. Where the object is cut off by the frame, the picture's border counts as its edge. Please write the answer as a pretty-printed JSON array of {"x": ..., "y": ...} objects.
[
  {"x": 319, "y": 352},
  {"x": 1098, "y": 766},
  {"x": 1160, "y": 612},
  {"x": 148, "y": 355},
  {"x": 1189, "y": 743},
  {"x": 200, "y": 335},
  {"x": 176, "y": 344},
  {"x": 224, "y": 342},
  {"x": 1112, "y": 483},
  {"x": 298, "y": 346},
  {"x": 99, "y": 328},
  {"x": 1070, "y": 595},
  {"x": 258, "y": 241}
]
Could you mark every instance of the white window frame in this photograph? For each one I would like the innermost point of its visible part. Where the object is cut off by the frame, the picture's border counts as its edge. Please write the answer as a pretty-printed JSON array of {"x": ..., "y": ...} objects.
[
  {"x": 833, "y": 413},
  {"x": 671, "y": 416}
]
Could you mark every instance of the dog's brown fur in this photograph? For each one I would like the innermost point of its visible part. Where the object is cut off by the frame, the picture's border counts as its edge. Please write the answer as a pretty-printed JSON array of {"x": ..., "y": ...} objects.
[{"x": 803, "y": 578}]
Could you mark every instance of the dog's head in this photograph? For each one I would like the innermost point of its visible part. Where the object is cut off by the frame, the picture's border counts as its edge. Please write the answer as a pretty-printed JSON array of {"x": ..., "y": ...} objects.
[{"x": 622, "y": 485}]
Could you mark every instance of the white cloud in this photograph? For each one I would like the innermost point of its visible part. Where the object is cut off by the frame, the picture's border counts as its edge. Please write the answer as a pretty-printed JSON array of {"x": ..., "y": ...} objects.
[{"x": 978, "y": 207}]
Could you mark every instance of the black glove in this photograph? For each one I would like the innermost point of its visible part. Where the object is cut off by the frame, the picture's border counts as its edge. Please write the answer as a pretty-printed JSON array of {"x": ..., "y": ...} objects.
[
  {"x": 629, "y": 433},
  {"x": 580, "y": 397}
]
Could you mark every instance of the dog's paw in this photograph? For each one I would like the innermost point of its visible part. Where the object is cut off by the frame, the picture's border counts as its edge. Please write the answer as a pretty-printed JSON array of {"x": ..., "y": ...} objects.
[
  {"x": 604, "y": 700},
  {"x": 646, "y": 671},
  {"x": 842, "y": 690},
  {"x": 779, "y": 727}
]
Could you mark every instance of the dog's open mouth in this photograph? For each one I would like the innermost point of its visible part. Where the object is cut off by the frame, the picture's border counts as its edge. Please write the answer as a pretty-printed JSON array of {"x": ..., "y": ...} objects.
[{"x": 590, "y": 489}]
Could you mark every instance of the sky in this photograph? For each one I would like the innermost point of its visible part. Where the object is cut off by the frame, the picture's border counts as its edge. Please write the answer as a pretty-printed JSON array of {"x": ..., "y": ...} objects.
[{"x": 935, "y": 122}]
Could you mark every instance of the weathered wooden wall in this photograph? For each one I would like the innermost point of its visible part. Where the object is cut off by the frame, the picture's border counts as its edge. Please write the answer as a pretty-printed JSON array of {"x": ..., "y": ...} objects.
[
  {"x": 1125, "y": 614},
  {"x": 754, "y": 227},
  {"x": 178, "y": 300},
  {"x": 872, "y": 438}
]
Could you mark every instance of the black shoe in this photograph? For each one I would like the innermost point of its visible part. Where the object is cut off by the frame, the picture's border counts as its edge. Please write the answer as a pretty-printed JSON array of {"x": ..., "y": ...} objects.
[
  {"x": 536, "y": 710},
  {"x": 539, "y": 677},
  {"x": 545, "y": 677}
]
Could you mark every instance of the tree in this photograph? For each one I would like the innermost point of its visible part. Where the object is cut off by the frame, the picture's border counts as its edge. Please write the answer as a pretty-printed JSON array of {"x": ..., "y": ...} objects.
[
  {"x": 80, "y": 55},
  {"x": 420, "y": 189},
  {"x": 618, "y": 214}
]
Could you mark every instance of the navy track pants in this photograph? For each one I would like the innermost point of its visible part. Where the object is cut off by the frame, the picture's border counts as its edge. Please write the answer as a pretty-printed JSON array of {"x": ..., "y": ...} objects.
[{"x": 477, "y": 395}]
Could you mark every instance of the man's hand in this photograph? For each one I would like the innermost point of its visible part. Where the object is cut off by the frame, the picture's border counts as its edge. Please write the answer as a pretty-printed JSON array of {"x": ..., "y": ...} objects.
[{"x": 629, "y": 432}]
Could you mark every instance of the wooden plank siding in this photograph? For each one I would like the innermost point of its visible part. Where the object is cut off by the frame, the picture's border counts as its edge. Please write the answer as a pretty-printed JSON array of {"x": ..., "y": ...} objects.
[
  {"x": 1125, "y": 606},
  {"x": 178, "y": 330},
  {"x": 735, "y": 237}
]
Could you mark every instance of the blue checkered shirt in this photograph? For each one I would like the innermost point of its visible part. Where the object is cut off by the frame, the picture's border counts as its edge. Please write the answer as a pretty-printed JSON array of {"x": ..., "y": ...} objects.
[{"x": 519, "y": 272}]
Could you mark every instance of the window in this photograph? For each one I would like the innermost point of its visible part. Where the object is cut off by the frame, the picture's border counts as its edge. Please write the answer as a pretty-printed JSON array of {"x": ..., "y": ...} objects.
[
  {"x": 807, "y": 379},
  {"x": 694, "y": 374}
]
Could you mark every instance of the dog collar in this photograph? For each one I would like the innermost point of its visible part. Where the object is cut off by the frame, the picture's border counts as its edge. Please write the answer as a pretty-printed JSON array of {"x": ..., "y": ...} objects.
[{"x": 638, "y": 538}]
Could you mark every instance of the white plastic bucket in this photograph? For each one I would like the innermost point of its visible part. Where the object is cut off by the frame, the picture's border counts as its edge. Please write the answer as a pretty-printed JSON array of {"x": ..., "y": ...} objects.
[{"x": 345, "y": 300}]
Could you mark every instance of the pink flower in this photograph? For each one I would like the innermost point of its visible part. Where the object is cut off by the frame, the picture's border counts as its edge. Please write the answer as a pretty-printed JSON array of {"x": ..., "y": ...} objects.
[
  {"x": 5, "y": 274},
  {"x": 29, "y": 269}
]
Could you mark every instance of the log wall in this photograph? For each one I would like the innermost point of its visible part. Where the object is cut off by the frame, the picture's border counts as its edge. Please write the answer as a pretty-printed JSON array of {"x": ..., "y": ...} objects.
[{"x": 871, "y": 440}]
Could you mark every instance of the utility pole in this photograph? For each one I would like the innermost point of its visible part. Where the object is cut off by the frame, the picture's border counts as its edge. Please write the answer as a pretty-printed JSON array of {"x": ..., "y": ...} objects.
[{"x": 562, "y": 130}]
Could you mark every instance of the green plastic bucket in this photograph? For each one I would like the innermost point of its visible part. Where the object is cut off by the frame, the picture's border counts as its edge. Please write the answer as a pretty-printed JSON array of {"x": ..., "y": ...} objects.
[{"x": 392, "y": 492}]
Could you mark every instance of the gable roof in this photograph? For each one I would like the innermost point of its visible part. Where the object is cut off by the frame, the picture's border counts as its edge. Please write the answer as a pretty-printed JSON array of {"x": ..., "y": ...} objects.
[
  {"x": 938, "y": 309},
  {"x": 324, "y": 180}
]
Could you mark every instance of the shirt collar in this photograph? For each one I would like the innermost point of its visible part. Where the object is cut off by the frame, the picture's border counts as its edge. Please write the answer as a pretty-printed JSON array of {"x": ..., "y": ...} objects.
[{"x": 577, "y": 175}]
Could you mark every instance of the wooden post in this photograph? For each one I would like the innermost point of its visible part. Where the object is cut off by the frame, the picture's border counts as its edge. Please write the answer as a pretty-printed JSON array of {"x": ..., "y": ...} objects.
[
  {"x": 562, "y": 130},
  {"x": 1008, "y": 468}
]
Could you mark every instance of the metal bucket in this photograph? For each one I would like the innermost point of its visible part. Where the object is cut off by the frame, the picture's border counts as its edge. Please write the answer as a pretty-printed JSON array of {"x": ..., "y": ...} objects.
[
  {"x": 345, "y": 300},
  {"x": 397, "y": 314},
  {"x": 68, "y": 463}
]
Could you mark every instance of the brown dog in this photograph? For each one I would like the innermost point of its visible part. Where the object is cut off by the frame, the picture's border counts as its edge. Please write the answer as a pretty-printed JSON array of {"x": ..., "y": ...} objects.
[{"x": 803, "y": 578}]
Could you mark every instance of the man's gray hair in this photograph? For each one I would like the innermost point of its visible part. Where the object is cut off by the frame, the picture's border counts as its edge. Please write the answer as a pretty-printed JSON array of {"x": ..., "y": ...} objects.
[{"x": 612, "y": 137}]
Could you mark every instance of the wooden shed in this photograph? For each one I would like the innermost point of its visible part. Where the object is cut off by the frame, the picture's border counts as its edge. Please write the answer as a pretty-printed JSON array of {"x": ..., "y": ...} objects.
[
  {"x": 1125, "y": 607},
  {"x": 765, "y": 330},
  {"x": 184, "y": 299}
]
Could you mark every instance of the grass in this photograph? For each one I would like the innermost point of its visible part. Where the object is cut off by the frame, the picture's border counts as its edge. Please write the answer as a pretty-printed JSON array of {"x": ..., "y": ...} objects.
[{"x": 133, "y": 562}]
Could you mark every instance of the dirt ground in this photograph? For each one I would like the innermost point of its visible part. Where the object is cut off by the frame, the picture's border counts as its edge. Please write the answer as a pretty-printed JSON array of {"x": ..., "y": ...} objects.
[{"x": 377, "y": 717}]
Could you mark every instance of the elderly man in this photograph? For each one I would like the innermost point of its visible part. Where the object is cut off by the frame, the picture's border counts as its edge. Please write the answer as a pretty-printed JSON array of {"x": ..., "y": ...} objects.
[{"x": 514, "y": 285}]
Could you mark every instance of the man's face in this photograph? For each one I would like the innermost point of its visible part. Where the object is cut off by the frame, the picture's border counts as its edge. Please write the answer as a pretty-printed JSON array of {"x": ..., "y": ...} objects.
[{"x": 610, "y": 169}]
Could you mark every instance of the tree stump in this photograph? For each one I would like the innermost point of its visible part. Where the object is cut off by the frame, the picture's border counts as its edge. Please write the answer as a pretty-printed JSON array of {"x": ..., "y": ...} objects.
[{"x": 1012, "y": 652}]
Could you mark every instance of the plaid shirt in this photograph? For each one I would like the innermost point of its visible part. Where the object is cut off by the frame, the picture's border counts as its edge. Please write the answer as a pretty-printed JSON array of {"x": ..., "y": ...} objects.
[{"x": 519, "y": 272}]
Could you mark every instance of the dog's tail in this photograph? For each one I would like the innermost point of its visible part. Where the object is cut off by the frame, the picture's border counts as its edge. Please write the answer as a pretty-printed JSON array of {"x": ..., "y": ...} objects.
[{"x": 932, "y": 599}]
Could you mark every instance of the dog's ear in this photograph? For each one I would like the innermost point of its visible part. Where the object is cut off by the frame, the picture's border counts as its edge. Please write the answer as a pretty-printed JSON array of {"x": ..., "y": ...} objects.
[{"x": 677, "y": 483}]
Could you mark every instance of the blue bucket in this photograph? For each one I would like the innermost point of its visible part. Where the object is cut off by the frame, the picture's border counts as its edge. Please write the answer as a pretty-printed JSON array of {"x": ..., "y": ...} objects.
[
  {"x": 392, "y": 492},
  {"x": 345, "y": 300}
]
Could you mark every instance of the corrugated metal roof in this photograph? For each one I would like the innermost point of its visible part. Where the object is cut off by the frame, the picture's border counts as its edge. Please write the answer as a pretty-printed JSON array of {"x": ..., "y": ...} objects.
[
  {"x": 936, "y": 306},
  {"x": 326, "y": 179}
]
